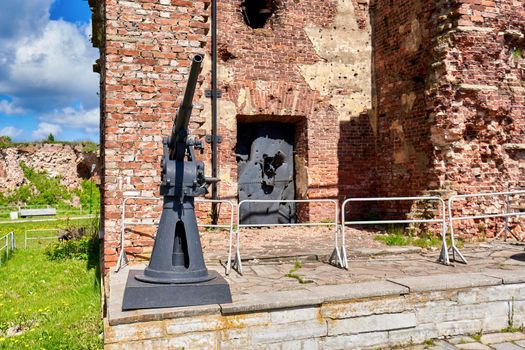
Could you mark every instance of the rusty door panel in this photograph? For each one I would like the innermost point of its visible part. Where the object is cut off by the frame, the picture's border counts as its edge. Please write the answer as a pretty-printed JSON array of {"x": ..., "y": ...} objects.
[{"x": 265, "y": 160}]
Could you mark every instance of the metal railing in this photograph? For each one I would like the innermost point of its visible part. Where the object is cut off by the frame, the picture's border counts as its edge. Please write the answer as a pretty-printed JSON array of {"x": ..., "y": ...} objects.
[
  {"x": 506, "y": 215},
  {"x": 336, "y": 255},
  {"x": 443, "y": 257},
  {"x": 60, "y": 210},
  {"x": 32, "y": 238},
  {"x": 506, "y": 229},
  {"x": 9, "y": 246},
  {"x": 123, "y": 260}
]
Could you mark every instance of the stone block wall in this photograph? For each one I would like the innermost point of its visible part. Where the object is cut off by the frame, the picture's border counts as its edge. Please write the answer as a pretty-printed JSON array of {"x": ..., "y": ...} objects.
[
  {"x": 69, "y": 162},
  {"x": 366, "y": 323}
]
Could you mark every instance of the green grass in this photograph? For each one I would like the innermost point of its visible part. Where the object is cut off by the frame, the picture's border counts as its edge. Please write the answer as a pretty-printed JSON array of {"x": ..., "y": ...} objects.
[
  {"x": 54, "y": 304},
  {"x": 293, "y": 273},
  {"x": 424, "y": 241},
  {"x": 477, "y": 336},
  {"x": 20, "y": 228},
  {"x": 41, "y": 189}
]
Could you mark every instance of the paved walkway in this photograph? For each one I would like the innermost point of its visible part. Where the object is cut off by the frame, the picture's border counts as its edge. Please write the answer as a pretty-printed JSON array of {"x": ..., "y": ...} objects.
[
  {"x": 280, "y": 274},
  {"x": 493, "y": 341}
]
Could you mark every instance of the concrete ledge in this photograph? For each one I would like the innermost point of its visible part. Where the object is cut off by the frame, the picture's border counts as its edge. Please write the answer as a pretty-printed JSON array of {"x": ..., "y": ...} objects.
[
  {"x": 307, "y": 295},
  {"x": 474, "y": 29},
  {"x": 300, "y": 297},
  {"x": 507, "y": 276},
  {"x": 312, "y": 296},
  {"x": 272, "y": 311},
  {"x": 356, "y": 291},
  {"x": 514, "y": 146},
  {"x": 383, "y": 251},
  {"x": 448, "y": 281},
  {"x": 272, "y": 301}
]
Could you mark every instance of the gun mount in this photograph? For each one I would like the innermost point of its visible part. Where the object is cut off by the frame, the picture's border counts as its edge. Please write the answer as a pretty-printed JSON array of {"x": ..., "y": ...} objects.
[{"x": 176, "y": 274}]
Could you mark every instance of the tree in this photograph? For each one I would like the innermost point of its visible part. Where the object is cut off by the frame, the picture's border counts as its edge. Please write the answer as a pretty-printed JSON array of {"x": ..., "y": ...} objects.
[
  {"x": 5, "y": 141},
  {"x": 51, "y": 138}
]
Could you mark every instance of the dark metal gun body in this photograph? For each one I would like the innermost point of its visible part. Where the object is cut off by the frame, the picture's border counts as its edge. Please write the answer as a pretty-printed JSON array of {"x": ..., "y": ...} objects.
[
  {"x": 177, "y": 259},
  {"x": 179, "y": 132}
]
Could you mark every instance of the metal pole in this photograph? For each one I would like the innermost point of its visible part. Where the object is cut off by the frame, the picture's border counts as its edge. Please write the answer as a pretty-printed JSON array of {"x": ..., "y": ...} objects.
[
  {"x": 91, "y": 196},
  {"x": 91, "y": 190},
  {"x": 214, "y": 107}
]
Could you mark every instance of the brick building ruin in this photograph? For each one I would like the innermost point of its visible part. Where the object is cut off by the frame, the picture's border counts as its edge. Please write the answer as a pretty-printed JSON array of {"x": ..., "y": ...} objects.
[{"x": 376, "y": 97}]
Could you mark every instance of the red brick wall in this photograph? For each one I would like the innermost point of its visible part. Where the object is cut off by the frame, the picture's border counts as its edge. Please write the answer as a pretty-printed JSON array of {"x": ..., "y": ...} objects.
[
  {"x": 481, "y": 111},
  {"x": 458, "y": 134},
  {"x": 263, "y": 79},
  {"x": 145, "y": 56},
  {"x": 446, "y": 113},
  {"x": 265, "y": 85},
  {"x": 402, "y": 35}
]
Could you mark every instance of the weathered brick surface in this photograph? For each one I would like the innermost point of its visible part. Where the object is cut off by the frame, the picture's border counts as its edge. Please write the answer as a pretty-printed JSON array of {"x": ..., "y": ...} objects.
[
  {"x": 449, "y": 103},
  {"x": 388, "y": 98},
  {"x": 290, "y": 71},
  {"x": 145, "y": 55}
]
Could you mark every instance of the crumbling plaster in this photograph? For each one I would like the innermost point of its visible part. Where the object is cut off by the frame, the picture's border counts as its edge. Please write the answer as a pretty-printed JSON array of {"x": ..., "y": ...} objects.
[{"x": 344, "y": 75}]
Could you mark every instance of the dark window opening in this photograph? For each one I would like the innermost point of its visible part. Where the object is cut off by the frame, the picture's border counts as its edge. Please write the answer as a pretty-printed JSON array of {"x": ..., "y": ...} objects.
[
  {"x": 180, "y": 256},
  {"x": 257, "y": 12}
]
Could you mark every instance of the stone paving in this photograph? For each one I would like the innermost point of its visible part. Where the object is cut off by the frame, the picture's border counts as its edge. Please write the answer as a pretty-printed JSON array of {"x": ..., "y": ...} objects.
[
  {"x": 370, "y": 261},
  {"x": 493, "y": 341}
]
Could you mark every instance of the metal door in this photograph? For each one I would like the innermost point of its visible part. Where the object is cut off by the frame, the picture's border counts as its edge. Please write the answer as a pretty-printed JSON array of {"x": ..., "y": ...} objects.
[{"x": 265, "y": 162}]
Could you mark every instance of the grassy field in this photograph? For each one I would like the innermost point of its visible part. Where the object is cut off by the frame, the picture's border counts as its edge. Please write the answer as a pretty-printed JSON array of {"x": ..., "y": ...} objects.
[
  {"x": 48, "y": 304},
  {"x": 19, "y": 229}
]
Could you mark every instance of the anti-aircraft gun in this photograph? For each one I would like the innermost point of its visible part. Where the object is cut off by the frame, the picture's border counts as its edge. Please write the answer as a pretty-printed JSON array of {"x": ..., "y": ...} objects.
[{"x": 176, "y": 274}]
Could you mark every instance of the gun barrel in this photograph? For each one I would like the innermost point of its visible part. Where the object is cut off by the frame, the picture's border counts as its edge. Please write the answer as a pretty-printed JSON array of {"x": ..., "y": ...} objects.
[
  {"x": 182, "y": 119},
  {"x": 179, "y": 131}
]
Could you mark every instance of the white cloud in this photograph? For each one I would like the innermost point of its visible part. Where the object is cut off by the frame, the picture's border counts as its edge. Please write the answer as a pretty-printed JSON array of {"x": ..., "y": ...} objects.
[
  {"x": 68, "y": 117},
  {"x": 45, "y": 64},
  {"x": 17, "y": 18},
  {"x": 10, "y": 131},
  {"x": 44, "y": 129},
  {"x": 7, "y": 107},
  {"x": 52, "y": 68}
]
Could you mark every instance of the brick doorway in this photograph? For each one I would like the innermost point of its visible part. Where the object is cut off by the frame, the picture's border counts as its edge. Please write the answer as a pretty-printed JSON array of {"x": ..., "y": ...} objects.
[{"x": 266, "y": 171}]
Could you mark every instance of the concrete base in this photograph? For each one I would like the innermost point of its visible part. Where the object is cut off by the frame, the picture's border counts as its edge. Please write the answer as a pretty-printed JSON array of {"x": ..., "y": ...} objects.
[
  {"x": 141, "y": 295},
  {"x": 394, "y": 301}
]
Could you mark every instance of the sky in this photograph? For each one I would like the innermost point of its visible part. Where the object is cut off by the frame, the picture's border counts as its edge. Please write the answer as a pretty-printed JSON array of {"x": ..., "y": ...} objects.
[{"x": 47, "y": 84}]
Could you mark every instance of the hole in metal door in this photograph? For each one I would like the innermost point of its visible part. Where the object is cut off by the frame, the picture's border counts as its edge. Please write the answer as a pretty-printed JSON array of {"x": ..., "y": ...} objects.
[{"x": 265, "y": 163}]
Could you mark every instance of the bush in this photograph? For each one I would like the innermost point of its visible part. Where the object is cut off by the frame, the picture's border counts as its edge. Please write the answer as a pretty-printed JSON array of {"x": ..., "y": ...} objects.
[
  {"x": 85, "y": 248},
  {"x": 90, "y": 147},
  {"x": 5, "y": 142},
  {"x": 41, "y": 190}
]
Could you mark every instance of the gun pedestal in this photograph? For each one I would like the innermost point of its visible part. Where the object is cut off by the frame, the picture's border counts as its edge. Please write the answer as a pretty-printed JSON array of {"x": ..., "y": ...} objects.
[{"x": 177, "y": 274}]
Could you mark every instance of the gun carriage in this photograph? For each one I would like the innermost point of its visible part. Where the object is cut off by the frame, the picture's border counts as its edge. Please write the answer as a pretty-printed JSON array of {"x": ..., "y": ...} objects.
[{"x": 177, "y": 274}]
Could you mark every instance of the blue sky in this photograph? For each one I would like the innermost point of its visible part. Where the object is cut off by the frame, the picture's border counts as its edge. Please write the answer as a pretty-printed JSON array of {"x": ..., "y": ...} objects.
[{"x": 46, "y": 80}]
